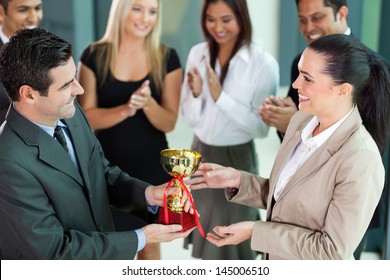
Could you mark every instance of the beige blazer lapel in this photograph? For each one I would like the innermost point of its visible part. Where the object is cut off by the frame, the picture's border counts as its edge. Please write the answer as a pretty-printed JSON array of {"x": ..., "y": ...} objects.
[
  {"x": 315, "y": 161},
  {"x": 287, "y": 147},
  {"x": 321, "y": 156}
]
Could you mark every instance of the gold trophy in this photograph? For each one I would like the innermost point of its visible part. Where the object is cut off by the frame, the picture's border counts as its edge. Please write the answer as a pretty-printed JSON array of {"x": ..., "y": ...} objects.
[{"x": 179, "y": 164}]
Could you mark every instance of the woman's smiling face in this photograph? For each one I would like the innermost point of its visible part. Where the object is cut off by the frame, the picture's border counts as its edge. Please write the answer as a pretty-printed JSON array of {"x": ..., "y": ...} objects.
[
  {"x": 317, "y": 91},
  {"x": 221, "y": 23}
]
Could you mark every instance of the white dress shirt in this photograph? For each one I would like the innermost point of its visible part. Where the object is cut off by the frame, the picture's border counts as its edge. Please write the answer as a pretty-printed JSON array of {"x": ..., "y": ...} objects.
[
  {"x": 253, "y": 75},
  {"x": 3, "y": 37},
  {"x": 306, "y": 147}
]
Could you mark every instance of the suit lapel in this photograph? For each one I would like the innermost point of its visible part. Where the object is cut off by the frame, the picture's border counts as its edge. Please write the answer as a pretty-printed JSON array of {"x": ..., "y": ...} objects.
[
  {"x": 49, "y": 150},
  {"x": 321, "y": 156},
  {"x": 314, "y": 162},
  {"x": 284, "y": 153},
  {"x": 81, "y": 151}
]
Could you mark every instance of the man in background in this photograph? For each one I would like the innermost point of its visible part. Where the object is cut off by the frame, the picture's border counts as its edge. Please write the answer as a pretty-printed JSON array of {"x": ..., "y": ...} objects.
[
  {"x": 15, "y": 15},
  {"x": 317, "y": 18}
]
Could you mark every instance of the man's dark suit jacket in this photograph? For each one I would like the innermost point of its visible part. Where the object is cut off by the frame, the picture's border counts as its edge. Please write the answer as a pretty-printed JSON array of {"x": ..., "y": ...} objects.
[
  {"x": 51, "y": 210},
  {"x": 4, "y": 100}
]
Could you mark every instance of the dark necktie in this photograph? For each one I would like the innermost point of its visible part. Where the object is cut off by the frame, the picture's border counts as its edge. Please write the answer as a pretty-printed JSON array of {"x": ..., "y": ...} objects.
[{"x": 61, "y": 138}]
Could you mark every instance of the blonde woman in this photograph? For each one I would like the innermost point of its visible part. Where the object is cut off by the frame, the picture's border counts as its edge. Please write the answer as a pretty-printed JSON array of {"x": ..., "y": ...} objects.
[{"x": 132, "y": 91}]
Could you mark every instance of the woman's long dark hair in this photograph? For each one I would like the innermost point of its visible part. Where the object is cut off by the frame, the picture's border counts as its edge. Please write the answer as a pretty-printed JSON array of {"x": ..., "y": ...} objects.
[
  {"x": 240, "y": 10},
  {"x": 349, "y": 61}
]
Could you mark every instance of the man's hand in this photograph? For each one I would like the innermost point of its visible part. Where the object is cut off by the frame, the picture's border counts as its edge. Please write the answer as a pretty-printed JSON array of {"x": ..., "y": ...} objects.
[
  {"x": 231, "y": 235},
  {"x": 155, "y": 196},
  {"x": 156, "y": 233},
  {"x": 277, "y": 112}
]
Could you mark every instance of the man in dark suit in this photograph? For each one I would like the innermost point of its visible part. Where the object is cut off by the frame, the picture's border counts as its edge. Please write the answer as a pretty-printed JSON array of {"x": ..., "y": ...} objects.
[
  {"x": 317, "y": 18},
  {"x": 56, "y": 191},
  {"x": 15, "y": 15}
]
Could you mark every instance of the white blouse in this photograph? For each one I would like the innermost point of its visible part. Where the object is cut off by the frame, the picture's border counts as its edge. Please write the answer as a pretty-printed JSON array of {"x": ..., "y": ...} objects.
[{"x": 253, "y": 75}]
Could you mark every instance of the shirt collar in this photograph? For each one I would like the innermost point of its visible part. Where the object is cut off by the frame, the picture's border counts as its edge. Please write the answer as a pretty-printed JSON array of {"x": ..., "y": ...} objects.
[
  {"x": 3, "y": 37},
  {"x": 320, "y": 139},
  {"x": 48, "y": 129},
  {"x": 243, "y": 54},
  {"x": 348, "y": 32}
]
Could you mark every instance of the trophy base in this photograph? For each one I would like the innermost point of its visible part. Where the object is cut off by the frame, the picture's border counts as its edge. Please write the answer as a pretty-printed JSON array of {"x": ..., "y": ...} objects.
[{"x": 186, "y": 220}]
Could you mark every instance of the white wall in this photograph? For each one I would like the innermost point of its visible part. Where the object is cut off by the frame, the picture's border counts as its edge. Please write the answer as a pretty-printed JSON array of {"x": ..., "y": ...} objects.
[{"x": 265, "y": 22}]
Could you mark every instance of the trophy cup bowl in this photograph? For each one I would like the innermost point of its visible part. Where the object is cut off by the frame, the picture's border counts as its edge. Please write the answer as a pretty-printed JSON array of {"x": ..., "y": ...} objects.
[{"x": 178, "y": 163}]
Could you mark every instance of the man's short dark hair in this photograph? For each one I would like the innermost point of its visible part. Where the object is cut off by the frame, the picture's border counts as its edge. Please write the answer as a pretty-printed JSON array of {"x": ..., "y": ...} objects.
[
  {"x": 28, "y": 58},
  {"x": 4, "y": 3},
  {"x": 334, "y": 4}
]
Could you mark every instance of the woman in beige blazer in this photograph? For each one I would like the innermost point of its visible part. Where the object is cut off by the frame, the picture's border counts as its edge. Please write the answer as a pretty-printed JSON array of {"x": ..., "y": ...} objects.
[{"x": 328, "y": 175}]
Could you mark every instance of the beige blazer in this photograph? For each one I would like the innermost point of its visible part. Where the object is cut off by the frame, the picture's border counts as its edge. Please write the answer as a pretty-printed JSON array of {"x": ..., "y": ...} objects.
[{"x": 324, "y": 210}]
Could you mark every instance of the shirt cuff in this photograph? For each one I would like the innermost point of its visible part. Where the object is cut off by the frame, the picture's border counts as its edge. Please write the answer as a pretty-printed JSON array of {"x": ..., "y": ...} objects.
[
  {"x": 141, "y": 239},
  {"x": 153, "y": 209},
  {"x": 225, "y": 102}
]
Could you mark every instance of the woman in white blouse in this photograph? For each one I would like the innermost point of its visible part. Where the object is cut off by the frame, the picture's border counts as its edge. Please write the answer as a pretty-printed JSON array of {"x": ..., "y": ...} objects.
[
  {"x": 328, "y": 175},
  {"x": 227, "y": 78}
]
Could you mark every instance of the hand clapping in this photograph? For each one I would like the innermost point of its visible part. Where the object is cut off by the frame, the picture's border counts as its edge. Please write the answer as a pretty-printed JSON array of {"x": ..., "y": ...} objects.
[
  {"x": 277, "y": 112},
  {"x": 195, "y": 82},
  {"x": 141, "y": 97}
]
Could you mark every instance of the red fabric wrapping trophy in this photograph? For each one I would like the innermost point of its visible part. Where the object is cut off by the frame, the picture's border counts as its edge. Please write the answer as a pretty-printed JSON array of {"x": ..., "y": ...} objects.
[{"x": 179, "y": 164}]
